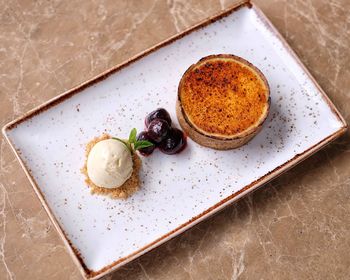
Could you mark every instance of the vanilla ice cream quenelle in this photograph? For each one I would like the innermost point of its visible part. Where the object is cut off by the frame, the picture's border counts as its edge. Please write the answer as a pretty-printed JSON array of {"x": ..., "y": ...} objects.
[{"x": 109, "y": 164}]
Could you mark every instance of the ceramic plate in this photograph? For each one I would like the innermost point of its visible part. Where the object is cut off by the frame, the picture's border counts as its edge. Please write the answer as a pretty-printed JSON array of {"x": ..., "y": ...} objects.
[{"x": 177, "y": 191}]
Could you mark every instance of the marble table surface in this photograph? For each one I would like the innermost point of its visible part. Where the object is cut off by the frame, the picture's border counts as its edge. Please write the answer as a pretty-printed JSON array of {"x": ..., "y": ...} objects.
[{"x": 297, "y": 227}]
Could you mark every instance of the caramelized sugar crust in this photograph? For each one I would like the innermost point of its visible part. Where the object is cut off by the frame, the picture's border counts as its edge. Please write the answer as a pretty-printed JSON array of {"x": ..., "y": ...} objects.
[{"x": 223, "y": 95}]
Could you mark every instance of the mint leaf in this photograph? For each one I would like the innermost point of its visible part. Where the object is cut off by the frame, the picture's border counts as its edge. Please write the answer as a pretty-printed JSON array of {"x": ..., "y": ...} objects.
[
  {"x": 142, "y": 144},
  {"x": 132, "y": 136},
  {"x": 132, "y": 144},
  {"x": 120, "y": 140},
  {"x": 126, "y": 143}
]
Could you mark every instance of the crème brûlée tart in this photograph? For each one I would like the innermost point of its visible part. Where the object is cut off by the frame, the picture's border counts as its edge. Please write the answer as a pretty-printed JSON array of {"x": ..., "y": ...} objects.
[{"x": 223, "y": 101}]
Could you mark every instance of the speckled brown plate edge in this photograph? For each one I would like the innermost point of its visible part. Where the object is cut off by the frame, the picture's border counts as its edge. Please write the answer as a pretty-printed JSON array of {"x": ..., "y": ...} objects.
[{"x": 88, "y": 274}]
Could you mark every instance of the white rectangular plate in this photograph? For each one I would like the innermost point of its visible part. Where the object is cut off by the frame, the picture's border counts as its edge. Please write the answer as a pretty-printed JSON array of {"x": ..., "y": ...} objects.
[{"x": 177, "y": 191}]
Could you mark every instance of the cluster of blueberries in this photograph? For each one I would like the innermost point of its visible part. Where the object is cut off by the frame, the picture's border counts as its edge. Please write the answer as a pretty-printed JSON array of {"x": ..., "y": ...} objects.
[{"x": 159, "y": 131}]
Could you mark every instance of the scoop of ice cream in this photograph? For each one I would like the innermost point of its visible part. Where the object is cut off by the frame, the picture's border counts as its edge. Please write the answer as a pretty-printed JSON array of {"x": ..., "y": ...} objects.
[{"x": 109, "y": 164}]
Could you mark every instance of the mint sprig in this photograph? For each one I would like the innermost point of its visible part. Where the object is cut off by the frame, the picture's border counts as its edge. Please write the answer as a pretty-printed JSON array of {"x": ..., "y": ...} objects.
[{"x": 132, "y": 143}]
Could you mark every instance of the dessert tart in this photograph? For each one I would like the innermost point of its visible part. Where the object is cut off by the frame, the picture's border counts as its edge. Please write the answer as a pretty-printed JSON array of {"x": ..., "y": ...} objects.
[{"x": 223, "y": 101}]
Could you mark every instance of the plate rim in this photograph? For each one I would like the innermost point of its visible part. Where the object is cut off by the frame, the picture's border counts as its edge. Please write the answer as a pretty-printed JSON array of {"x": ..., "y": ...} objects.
[{"x": 74, "y": 253}]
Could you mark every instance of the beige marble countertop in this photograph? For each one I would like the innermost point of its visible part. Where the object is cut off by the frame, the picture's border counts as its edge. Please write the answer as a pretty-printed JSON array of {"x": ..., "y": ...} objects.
[{"x": 297, "y": 227}]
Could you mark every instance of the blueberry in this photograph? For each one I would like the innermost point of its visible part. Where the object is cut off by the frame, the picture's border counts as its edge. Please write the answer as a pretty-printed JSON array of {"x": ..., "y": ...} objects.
[
  {"x": 174, "y": 142},
  {"x": 143, "y": 136},
  {"x": 158, "y": 130},
  {"x": 161, "y": 114}
]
